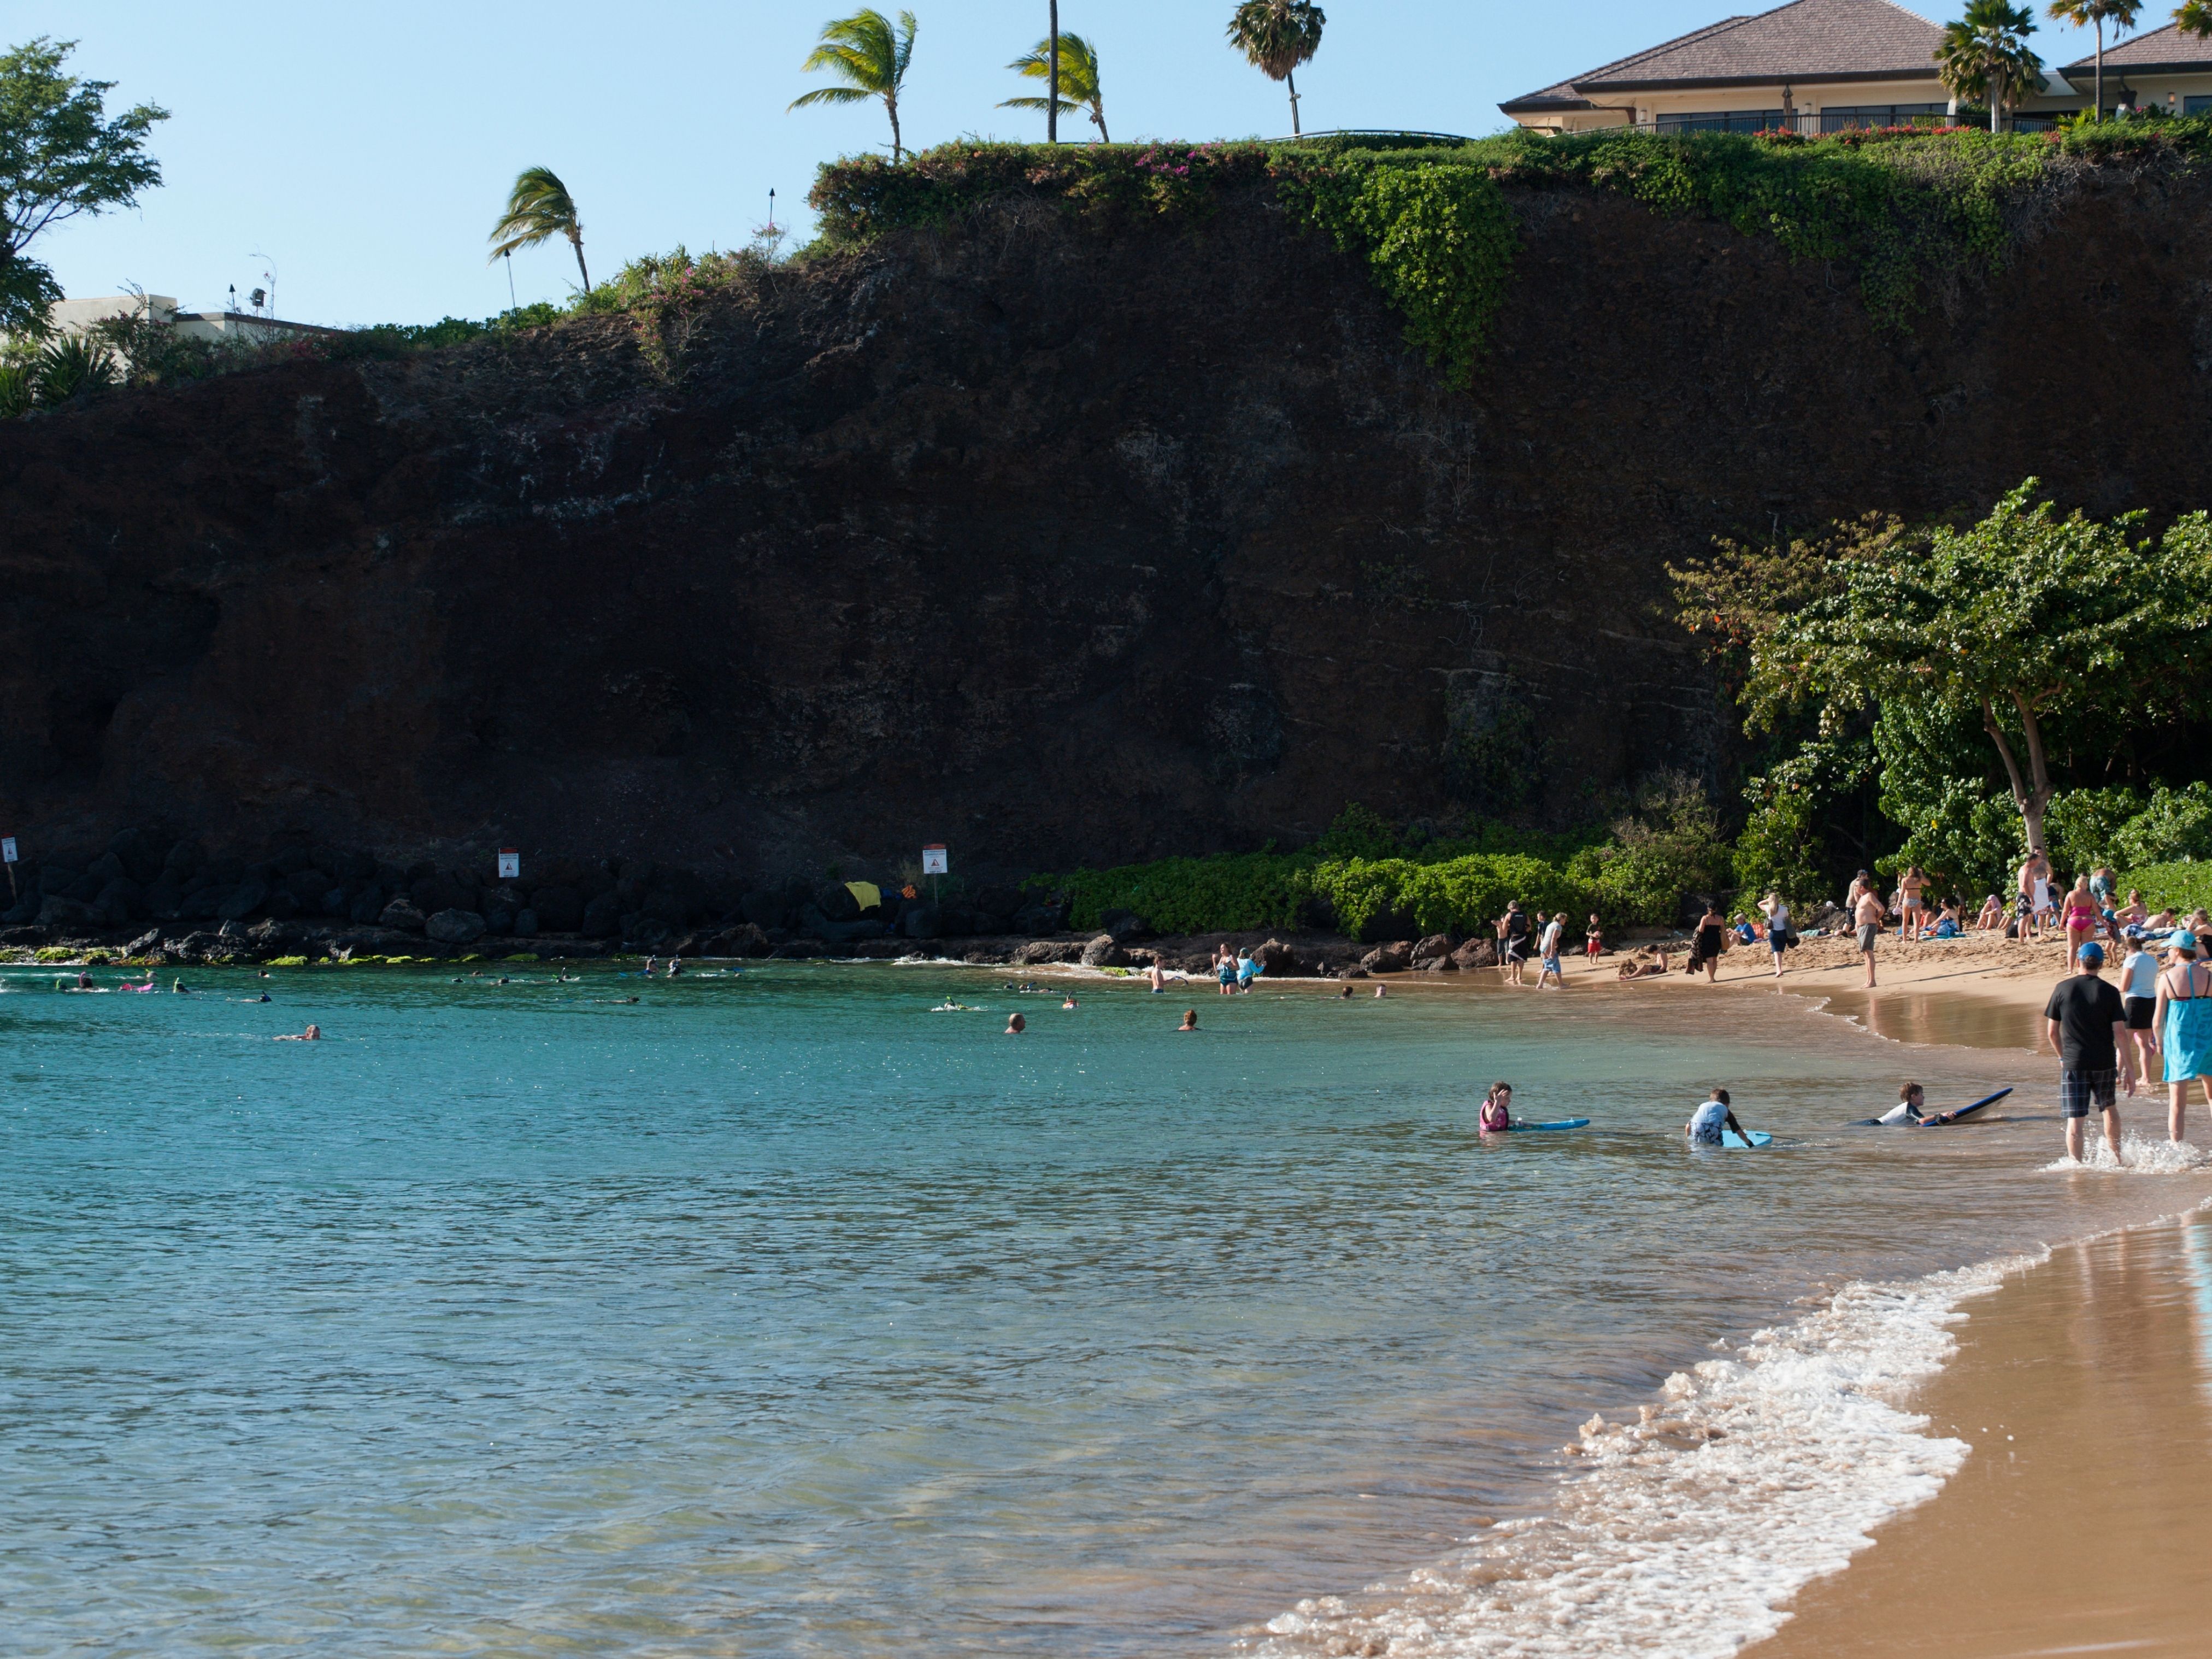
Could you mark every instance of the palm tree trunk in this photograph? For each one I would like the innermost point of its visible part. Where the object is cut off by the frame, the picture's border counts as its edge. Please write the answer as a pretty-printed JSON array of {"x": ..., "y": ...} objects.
[
  {"x": 1098, "y": 115},
  {"x": 577, "y": 242},
  {"x": 1292, "y": 80},
  {"x": 2100, "y": 68},
  {"x": 1052, "y": 82},
  {"x": 891, "y": 103},
  {"x": 1997, "y": 101}
]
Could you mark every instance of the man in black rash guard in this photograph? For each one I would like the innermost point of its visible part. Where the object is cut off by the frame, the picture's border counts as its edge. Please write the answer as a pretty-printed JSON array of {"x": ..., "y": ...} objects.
[{"x": 1517, "y": 931}]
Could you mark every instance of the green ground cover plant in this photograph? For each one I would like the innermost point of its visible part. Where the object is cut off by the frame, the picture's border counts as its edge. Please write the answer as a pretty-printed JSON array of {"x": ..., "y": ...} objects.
[{"x": 2183, "y": 887}]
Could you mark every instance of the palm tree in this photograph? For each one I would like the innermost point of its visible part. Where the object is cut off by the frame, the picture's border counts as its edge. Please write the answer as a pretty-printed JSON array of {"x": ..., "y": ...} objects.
[
  {"x": 1278, "y": 35},
  {"x": 2121, "y": 14},
  {"x": 1985, "y": 54},
  {"x": 1078, "y": 80},
  {"x": 2194, "y": 17},
  {"x": 870, "y": 56},
  {"x": 539, "y": 208}
]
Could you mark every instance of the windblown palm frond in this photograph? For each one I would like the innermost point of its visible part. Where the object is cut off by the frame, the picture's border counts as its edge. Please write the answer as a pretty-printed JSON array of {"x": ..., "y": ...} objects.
[
  {"x": 1078, "y": 80},
  {"x": 1277, "y": 36},
  {"x": 2194, "y": 17},
  {"x": 870, "y": 56},
  {"x": 539, "y": 208}
]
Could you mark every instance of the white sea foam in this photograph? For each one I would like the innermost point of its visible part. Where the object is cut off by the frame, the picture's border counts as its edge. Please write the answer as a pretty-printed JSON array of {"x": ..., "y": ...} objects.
[
  {"x": 2139, "y": 1155},
  {"x": 1688, "y": 1533}
]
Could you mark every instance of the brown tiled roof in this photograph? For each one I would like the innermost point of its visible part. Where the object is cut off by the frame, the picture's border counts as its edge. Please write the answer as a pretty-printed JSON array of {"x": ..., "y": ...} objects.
[
  {"x": 1807, "y": 40},
  {"x": 2161, "y": 48}
]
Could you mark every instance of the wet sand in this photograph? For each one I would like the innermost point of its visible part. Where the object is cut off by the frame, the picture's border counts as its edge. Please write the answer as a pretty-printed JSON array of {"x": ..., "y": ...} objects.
[{"x": 2080, "y": 1522}]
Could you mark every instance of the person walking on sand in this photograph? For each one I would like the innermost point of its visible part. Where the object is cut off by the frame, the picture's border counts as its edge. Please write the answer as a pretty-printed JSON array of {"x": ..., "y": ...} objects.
[
  {"x": 2080, "y": 916},
  {"x": 1707, "y": 1122},
  {"x": 1517, "y": 930},
  {"x": 1868, "y": 919},
  {"x": 1711, "y": 940},
  {"x": 1548, "y": 953},
  {"x": 2182, "y": 1023},
  {"x": 2030, "y": 896},
  {"x": 1911, "y": 907},
  {"x": 2088, "y": 1024},
  {"x": 1777, "y": 927}
]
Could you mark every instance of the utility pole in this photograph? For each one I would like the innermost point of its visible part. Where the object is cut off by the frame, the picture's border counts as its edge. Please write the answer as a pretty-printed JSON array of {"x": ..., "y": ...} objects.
[{"x": 1051, "y": 88}]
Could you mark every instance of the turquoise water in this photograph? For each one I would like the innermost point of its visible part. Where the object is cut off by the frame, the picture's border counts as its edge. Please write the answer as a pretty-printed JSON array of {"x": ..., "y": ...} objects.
[{"x": 775, "y": 1314}]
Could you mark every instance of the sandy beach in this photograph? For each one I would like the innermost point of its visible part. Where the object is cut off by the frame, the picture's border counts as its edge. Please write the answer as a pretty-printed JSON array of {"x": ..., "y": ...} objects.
[{"x": 2079, "y": 1523}]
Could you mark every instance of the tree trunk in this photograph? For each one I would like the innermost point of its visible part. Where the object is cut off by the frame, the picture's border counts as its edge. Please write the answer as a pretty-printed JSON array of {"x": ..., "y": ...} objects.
[
  {"x": 1052, "y": 85},
  {"x": 1098, "y": 118},
  {"x": 892, "y": 104},
  {"x": 2100, "y": 68},
  {"x": 576, "y": 240},
  {"x": 1997, "y": 101},
  {"x": 1291, "y": 77},
  {"x": 2032, "y": 792}
]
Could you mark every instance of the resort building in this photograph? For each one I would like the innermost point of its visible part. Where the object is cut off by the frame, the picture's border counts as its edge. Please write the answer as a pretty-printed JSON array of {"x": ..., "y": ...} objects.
[
  {"x": 1813, "y": 66},
  {"x": 251, "y": 327},
  {"x": 2162, "y": 70}
]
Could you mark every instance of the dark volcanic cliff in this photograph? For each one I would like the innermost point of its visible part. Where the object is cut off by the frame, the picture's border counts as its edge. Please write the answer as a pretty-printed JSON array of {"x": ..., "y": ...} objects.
[{"x": 1057, "y": 546}]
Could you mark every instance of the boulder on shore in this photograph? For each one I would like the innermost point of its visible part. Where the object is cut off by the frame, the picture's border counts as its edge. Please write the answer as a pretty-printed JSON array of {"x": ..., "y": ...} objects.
[
  {"x": 402, "y": 917},
  {"x": 1476, "y": 953},
  {"x": 1105, "y": 951},
  {"x": 455, "y": 928},
  {"x": 1433, "y": 955},
  {"x": 1394, "y": 958}
]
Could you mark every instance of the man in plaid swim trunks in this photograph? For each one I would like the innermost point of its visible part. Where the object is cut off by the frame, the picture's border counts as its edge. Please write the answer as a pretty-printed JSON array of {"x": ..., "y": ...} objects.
[{"x": 2088, "y": 1025}]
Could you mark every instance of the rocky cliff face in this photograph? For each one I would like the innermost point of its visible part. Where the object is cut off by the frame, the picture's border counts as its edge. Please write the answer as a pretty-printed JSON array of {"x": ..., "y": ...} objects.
[{"x": 1058, "y": 546}]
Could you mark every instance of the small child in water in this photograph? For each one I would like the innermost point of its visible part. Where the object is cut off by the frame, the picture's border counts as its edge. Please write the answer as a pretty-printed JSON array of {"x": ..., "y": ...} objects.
[
  {"x": 1189, "y": 1020},
  {"x": 1497, "y": 1109}
]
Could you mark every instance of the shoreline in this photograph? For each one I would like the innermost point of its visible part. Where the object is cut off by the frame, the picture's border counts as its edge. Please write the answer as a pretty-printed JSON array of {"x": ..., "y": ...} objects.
[{"x": 2081, "y": 1388}]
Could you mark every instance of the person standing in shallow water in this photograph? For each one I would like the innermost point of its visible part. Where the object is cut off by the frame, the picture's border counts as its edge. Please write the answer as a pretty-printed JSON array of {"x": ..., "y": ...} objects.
[
  {"x": 2088, "y": 1024},
  {"x": 2181, "y": 1024}
]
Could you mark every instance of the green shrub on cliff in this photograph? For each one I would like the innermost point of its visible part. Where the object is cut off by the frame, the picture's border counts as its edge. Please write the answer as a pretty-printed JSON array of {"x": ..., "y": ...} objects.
[{"x": 1373, "y": 880}]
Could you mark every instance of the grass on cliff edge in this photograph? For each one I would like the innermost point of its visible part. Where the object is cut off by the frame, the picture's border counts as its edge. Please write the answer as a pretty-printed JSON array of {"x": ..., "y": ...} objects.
[{"x": 1905, "y": 207}]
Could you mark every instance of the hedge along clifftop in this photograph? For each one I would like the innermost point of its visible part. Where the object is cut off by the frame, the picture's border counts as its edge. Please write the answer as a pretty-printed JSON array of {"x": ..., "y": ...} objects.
[{"x": 1905, "y": 209}]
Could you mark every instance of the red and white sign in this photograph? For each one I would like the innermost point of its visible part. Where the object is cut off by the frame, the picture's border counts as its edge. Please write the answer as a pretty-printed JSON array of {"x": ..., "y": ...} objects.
[
  {"x": 932, "y": 860},
  {"x": 510, "y": 864}
]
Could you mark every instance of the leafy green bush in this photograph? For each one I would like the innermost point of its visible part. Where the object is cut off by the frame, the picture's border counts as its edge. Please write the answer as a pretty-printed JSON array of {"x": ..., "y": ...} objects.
[
  {"x": 2083, "y": 827},
  {"x": 2175, "y": 824},
  {"x": 2183, "y": 886},
  {"x": 1375, "y": 881}
]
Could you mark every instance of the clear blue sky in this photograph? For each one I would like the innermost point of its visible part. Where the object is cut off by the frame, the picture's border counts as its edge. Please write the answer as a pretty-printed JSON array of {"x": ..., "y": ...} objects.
[{"x": 366, "y": 151}]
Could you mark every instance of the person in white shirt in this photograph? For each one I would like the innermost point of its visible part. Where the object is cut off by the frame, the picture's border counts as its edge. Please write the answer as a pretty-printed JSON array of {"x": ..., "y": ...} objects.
[
  {"x": 1547, "y": 952},
  {"x": 1706, "y": 1123},
  {"x": 2139, "y": 996}
]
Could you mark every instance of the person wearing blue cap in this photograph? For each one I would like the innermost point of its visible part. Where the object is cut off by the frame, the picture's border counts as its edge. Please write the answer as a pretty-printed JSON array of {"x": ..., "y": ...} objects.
[
  {"x": 2088, "y": 1024},
  {"x": 2183, "y": 1022}
]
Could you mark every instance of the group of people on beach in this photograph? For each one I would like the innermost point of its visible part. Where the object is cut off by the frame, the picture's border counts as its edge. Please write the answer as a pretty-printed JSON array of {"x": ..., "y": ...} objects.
[{"x": 2106, "y": 1035}]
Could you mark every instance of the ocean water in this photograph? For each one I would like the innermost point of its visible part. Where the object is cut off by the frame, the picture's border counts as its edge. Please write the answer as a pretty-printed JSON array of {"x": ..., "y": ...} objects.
[{"x": 775, "y": 1313}]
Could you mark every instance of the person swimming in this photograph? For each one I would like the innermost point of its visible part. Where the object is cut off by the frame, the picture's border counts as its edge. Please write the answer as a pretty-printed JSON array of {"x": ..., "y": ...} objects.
[
  {"x": 1346, "y": 994},
  {"x": 1070, "y": 1002},
  {"x": 1189, "y": 1020},
  {"x": 313, "y": 1034},
  {"x": 1497, "y": 1115},
  {"x": 1015, "y": 1025},
  {"x": 179, "y": 988}
]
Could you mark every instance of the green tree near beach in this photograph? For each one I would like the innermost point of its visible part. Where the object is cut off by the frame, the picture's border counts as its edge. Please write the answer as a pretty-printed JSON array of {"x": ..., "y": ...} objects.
[
  {"x": 1985, "y": 55},
  {"x": 2086, "y": 14},
  {"x": 1078, "y": 80},
  {"x": 871, "y": 57},
  {"x": 2195, "y": 17},
  {"x": 539, "y": 208},
  {"x": 1277, "y": 36},
  {"x": 2023, "y": 619},
  {"x": 61, "y": 154}
]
